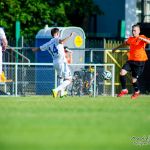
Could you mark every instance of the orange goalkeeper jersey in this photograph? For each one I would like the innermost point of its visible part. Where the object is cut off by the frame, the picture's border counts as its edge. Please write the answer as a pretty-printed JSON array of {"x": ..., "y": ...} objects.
[{"x": 137, "y": 49}]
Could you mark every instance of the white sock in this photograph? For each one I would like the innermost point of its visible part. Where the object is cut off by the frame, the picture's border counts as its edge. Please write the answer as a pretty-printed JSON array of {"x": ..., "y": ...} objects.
[
  {"x": 63, "y": 85},
  {"x": 61, "y": 81},
  {"x": 62, "y": 92}
]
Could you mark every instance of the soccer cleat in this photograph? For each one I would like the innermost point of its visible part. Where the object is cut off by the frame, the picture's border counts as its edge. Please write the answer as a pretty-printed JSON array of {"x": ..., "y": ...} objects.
[
  {"x": 64, "y": 95},
  {"x": 122, "y": 93},
  {"x": 54, "y": 93},
  {"x": 135, "y": 95}
]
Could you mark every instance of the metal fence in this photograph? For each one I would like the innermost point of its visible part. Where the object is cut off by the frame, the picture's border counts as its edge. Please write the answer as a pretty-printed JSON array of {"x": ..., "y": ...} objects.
[
  {"x": 91, "y": 55},
  {"x": 41, "y": 78}
]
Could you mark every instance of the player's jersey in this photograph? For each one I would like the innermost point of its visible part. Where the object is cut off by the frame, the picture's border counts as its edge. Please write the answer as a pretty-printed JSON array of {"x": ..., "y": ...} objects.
[
  {"x": 137, "y": 49},
  {"x": 55, "y": 49}
]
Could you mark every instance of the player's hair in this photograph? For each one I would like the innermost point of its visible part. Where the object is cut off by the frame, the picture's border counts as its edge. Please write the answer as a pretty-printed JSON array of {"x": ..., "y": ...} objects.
[
  {"x": 54, "y": 30},
  {"x": 135, "y": 25}
]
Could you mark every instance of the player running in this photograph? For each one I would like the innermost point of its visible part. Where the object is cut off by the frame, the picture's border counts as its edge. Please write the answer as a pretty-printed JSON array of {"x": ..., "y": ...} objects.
[
  {"x": 136, "y": 60},
  {"x": 56, "y": 49}
]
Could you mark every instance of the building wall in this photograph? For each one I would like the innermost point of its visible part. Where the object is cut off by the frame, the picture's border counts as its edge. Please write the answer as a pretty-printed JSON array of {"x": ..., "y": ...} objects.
[
  {"x": 114, "y": 11},
  {"x": 130, "y": 15}
]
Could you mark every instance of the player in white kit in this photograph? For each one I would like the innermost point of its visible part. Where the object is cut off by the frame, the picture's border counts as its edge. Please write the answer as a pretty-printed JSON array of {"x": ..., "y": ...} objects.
[
  {"x": 3, "y": 45},
  {"x": 56, "y": 49}
]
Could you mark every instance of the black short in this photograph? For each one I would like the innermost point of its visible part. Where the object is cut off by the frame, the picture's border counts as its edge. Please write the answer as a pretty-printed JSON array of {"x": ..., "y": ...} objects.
[{"x": 135, "y": 67}]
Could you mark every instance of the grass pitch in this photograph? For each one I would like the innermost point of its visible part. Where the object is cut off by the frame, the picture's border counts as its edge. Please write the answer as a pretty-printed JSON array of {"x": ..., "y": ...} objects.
[{"x": 74, "y": 123}]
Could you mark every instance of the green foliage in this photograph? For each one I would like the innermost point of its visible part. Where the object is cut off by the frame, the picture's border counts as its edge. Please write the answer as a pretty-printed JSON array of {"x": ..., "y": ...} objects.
[
  {"x": 35, "y": 14},
  {"x": 80, "y": 11}
]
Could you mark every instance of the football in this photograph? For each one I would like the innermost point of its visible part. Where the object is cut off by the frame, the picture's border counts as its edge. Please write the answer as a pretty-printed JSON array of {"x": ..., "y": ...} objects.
[{"x": 106, "y": 75}]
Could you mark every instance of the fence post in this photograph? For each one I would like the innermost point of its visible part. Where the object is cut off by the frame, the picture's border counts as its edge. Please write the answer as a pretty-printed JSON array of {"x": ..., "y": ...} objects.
[
  {"x": 104, "y": 43},
  {"x": 56, "y": 79},
  {"x": 91, "y": 55},
  {"x": 94, "y": 80},
  {"x": 113, "y": 80},
  {"x": 16, "y": 79}
]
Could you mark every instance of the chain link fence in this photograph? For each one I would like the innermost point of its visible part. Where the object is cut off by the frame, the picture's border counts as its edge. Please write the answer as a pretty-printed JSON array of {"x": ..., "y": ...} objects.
[{"x": 41, "y": 78}]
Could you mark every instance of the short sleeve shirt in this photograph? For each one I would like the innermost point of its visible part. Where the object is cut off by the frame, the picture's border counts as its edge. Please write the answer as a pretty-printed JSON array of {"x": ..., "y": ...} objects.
[{"x": 137, "y": 49}]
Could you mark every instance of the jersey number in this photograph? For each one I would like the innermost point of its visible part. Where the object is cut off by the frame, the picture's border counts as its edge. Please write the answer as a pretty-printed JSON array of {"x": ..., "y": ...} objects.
[{"x": 54, "y": 50}]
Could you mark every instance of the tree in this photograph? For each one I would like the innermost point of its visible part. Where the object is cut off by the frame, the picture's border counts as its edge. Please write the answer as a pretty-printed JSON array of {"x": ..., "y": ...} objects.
[
  {"x": 79, "y": 11},
  {"x": 35, "y": 14}
]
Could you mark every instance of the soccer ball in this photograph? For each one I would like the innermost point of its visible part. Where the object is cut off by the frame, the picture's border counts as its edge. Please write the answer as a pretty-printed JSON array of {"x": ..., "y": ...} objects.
[{"x": 106, "y": 75}]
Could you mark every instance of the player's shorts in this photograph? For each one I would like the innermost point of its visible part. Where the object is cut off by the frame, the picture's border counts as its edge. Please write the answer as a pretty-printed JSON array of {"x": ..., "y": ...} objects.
[
  {"x": 135, "y": 67},
  {"x": 63, "y": 70}
]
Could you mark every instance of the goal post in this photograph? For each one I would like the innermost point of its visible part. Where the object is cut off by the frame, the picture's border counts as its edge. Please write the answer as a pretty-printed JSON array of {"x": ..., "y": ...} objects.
[
  {"x": 87, "y": 80},
  {"x": 41, "y": 78}
]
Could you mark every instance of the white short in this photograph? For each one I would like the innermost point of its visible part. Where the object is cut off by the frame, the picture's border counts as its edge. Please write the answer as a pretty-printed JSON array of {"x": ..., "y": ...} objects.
[{"x": 63, "y": 70}]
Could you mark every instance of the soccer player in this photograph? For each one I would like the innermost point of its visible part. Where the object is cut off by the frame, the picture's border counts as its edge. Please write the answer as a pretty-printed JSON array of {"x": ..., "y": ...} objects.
[
  {"x": 68, "y": 55},
  {"x": 56, "y": 49},
  {"x": 136, "y": 60},
  {"x": 3, "y": 45}
]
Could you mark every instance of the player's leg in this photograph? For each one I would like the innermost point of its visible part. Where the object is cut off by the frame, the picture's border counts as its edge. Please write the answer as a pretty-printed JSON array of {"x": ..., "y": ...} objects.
[
  {"x": 63, "y": 71},
  {"x": 136, "y": 72},
  {"x": 60, "y": 80},
  {"x": 67, "y": 79},
  {"x": 62, "y": 87},
  {"x": 59, "y": 68},
  {"x": 123, "y": 73},
  {"x": 136, "y": 88}
]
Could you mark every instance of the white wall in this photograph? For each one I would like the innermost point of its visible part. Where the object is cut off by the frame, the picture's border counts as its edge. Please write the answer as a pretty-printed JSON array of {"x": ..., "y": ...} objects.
[{"x": 130, "y": 15}]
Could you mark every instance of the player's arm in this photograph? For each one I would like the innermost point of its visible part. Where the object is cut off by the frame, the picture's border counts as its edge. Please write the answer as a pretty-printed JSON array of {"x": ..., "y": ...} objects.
[
  {"x": 35, "y": 49},
  {"x": 61, "y": 41},
  {"x": 44, "y": 47},
  {"x": 145, "y": 40},
  {"x": 4, "y": 43},
  {"x": 71, "y": 58},
  {"x": 120, "y": 46}
]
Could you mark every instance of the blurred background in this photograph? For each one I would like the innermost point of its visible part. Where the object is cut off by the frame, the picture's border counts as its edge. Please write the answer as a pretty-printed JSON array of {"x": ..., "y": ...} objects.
[
  {"x": 30, "y": 120},
  {"x": 111, "y": 19},
  {"x": 102, "y": 24}
]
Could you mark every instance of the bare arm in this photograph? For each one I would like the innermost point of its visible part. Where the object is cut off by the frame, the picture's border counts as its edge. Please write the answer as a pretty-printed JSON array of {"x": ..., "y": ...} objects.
[
  {"x": 71, "y": 58},
  {"x": 43, "y": 47},
  {"x": 35, "y": 49},
  {"x": 4, "y": 43},
  {"x": 120, "y": 46},
  {"x": 145, "y": 40},
  {"x": 65, "y": 39}
]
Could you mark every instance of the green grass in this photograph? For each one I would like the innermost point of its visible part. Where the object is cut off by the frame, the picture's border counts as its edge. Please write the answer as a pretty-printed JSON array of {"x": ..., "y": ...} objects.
[{"x": 74, "y": 123}]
